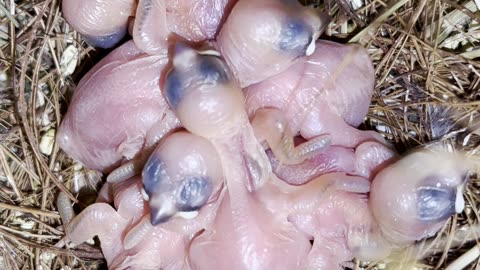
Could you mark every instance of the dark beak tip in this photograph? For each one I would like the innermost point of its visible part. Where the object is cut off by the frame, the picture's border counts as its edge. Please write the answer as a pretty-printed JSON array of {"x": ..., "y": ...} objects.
[{"x": 159, "y": 218}]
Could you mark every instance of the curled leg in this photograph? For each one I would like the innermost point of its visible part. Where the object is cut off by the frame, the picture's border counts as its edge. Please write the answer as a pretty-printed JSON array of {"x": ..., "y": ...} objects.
[
  {"x": 333, "y": 159},
  {"x": 100, "y": 220},
  {"x": 372, "y": 157},
  {"x": 271, "y": 126},
  {"x": 308, "y": 196},
  {"x": 181, "y": 176}
]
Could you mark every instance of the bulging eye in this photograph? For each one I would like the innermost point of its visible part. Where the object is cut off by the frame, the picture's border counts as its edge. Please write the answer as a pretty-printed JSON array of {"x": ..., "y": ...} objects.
[
  {"x": 202, "y": 93},
  {"x": 213, "y": 71},
  {"x": 174, "y": 89},
  {"x": 181, "y": 175},
  {"x": 412, "y": 198},
  {"x": 295, "y": 36},
  {"x": 193, "y": 193},
  {"x": 435, "y": 204},
  {"x": 154, "y": 173}
]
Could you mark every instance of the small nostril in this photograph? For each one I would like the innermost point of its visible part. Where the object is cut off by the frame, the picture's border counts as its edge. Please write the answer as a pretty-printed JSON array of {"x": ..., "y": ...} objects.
[
  {"x": 193, "y": 193},
  {"x": 435, "y": 204},
  {"x": 295, "y": 37}
]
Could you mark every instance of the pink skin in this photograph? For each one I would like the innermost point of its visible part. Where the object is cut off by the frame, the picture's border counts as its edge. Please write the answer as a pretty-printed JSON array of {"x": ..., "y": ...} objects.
[
  {"x": 181, "y": 175},
  {"x": 104, "y": 23},
  {"x": 164, "y": 249},
  {"x": 365, "y": 161},
  {"x": 248, "y": 238},
  {"x": 260, "y": 238},
  {"x": 255, "y": 212},
  {"x": 208, "y": 89},
  {"x": 257, "y": 48},
  {"x": 333, "y": 207},
  {"x": 193, "y": 20},
  {"x": 326, "y": 209},
  {"x": 371, "y": 157},
  {"x": 126, "y": 234},
  {"x": 327, "y": 93},
  {"x": 197, "y": 20},
  {"x": 425, "y": 188},
  {"x": 313, "y": 99},
  {"x": 100, "y": 131},
  {"x": 104, "y": 151},
  {"x": 261, "y": 234},
  {"x": 210, "y": 104},
  {"x": 337, "y": 216}
]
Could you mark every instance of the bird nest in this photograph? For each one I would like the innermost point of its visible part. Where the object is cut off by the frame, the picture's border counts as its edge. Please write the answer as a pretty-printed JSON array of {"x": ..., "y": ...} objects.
[{"x": 427, "y": 90}]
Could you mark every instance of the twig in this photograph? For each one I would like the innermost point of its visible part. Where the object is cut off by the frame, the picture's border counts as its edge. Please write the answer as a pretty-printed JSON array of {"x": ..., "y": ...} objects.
[
  {"x": 348, "y": 10},
  {"x": 29, "y": 210},
  {"x": 9, "y": 15},
  {"x": 394, "y": 6},
  {"x": 9, "y": 175},
  {"x": 28, "y": 234},
  {"x": 23, "y": 110},
  {"x": 466, "y": 259},
  {"x": 82, "y": 254},
  {"x": 462, "y": 9}
]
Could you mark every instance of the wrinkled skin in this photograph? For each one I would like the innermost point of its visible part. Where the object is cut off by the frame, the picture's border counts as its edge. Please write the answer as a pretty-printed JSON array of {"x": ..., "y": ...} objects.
[
  {"x": 181, "y": 175},
  {"x": 192, "y": 20},
  {"x": 237, "y": 204},
  {"x": 104, "y": 23},
  {"x": 275, "y": 223},
  {"x": 252, "y": 239},
  {"x": 127, "y": 236},
  {"x": 110, "y": 225},
  {"x": 100, "y": 131},
  {"x": 105, "y": 150},
  {"x": 365, "y": 161},
  {"x": 326, "y": 93},
  {"x": 320, "y": 101},
  {"x": 334, "y": 208},
  {"x": 208, "y": 102},
  {"x": 256, "y": 48},
  {"x": 425, "y": 188}
]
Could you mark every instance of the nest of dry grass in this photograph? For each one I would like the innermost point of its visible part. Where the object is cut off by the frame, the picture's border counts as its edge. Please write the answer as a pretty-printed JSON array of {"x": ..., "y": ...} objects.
[{"x": 427, "y": 89}]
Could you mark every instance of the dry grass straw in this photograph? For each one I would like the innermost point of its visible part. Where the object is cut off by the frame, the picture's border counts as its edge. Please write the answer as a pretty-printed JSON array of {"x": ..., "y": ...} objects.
[{"x": 427, "y": 89}]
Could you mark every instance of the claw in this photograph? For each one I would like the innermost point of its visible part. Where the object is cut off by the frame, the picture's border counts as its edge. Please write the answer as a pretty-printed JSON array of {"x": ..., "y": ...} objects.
[{"x": 271, "y": 126}]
